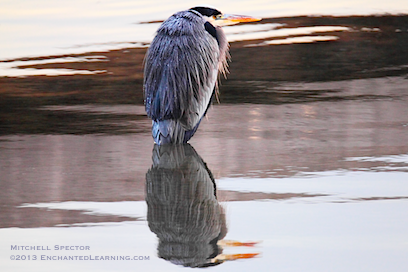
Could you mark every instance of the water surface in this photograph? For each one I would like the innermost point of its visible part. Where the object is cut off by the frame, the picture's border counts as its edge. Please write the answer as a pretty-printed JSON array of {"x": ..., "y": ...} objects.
[{"x": 304, "y": 160}]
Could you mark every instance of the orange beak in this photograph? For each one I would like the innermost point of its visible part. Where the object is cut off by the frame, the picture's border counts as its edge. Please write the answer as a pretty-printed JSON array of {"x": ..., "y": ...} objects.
[
  {"x": 231, "y": 19},
  {"x": 233, "y": 257},
  {"x": 232, "y": 243}
]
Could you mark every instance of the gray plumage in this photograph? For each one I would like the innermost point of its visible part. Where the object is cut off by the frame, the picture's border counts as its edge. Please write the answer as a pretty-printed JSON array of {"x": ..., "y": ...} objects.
[{"x": 180, "y": 75}]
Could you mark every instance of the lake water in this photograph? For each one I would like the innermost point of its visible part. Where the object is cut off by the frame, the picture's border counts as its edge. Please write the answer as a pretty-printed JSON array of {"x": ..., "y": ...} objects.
[
  {"x": 303, "y": 164},
  {"x": 44, "y": 27}
]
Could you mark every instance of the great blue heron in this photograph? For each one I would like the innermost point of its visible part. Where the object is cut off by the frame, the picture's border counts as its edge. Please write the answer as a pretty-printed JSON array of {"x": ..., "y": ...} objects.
[{"x": 181, "y": 70}]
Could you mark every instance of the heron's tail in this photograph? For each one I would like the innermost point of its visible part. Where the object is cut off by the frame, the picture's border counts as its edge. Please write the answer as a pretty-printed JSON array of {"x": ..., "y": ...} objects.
[{"x": 171, "y": 132}]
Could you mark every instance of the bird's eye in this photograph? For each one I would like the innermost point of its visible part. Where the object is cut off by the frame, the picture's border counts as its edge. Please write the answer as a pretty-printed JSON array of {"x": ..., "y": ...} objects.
[{"x": 217, "y": 17}]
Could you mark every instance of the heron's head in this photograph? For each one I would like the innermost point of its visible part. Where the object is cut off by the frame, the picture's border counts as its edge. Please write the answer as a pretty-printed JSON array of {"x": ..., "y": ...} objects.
[{"x": 216, "y": 18}]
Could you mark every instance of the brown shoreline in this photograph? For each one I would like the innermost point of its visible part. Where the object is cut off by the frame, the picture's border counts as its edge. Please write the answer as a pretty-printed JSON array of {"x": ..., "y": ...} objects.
[{"x": 357, "y": 54}]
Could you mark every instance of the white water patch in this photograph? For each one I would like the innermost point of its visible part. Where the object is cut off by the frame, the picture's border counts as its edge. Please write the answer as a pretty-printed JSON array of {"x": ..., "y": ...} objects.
[
  {"x": 336, "y": 186},
  {"x": 17, "y": 68},
  {"x": 10, "y": 72},
  {"x": 303, "y": 39},
  {"x": 285, "y": 32},
  {"x": 403, "y": 158},
  {"x": 249, "y": 28}
]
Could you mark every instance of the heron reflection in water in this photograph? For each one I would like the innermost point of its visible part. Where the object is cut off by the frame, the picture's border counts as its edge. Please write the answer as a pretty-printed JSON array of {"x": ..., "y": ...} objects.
[
  {"x": 183, "y": 210},
  {"x": 181, "y": 69}
]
